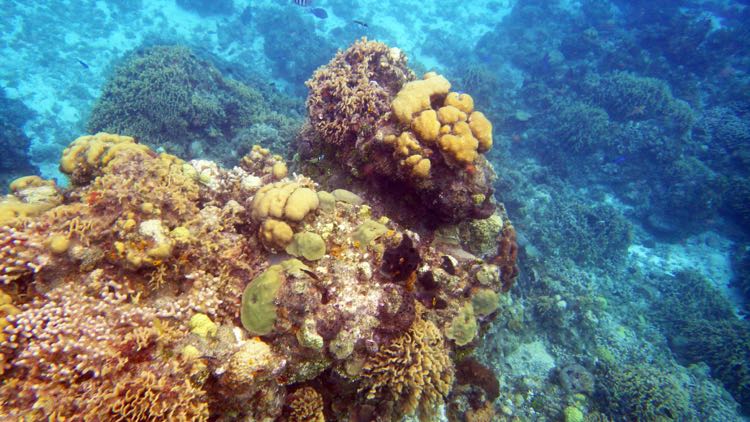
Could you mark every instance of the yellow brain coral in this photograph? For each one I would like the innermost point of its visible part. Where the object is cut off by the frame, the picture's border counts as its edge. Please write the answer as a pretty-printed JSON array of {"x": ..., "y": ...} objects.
[
  {"x": 434, "y": 115},
  {"x": 415, "y": 96},
  {"x": 285, "y": 201},
  {"x": 87, "y": 154}
]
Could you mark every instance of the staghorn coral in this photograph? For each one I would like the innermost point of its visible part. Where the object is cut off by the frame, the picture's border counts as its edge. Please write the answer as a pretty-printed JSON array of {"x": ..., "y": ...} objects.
[
  {"x": 413, "y": 371},
  {"x": 19, "y": 255}
]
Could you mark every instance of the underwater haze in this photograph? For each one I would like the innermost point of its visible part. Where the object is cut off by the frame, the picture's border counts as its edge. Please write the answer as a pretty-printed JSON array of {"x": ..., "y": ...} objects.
[{"x": 329, "y": 210}]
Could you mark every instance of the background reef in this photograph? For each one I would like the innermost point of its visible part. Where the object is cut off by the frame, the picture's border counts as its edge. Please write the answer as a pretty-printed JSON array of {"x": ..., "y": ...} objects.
[{"x": 613, "y": 134}]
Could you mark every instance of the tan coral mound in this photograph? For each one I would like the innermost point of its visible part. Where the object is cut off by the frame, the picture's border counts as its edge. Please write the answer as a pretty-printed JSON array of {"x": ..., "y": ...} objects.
[{"x": 414, "y": 371}]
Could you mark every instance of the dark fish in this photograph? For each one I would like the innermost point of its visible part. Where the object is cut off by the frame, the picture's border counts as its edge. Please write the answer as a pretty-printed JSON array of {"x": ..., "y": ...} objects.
[
  {"x": 302, "y": 2},
  {"x": 319, "y": 13},
  {"x": 360, "y": 23},
  {"x": 84, "y": 64}
]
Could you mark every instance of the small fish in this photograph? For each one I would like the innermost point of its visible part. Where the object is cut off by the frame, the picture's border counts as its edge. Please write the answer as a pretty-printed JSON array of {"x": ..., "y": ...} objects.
[
  {"x": 319, "y": 13},
  {"x": 302, "y": 3},
  {"x": 360, "y": 23},
  {"x": 84, "y": 64}
]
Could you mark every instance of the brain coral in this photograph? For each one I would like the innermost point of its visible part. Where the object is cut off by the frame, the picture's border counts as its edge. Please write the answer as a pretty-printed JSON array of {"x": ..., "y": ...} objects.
[{"x": 414, "y": 139}]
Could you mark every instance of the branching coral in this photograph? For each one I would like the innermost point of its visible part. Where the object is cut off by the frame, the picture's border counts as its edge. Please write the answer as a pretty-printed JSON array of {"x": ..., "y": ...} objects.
[
  {"x": 111, "y": 366},
  {"x": 414, "y": 372},
  {"x": 349, "y": 96},
  {"x": 306, "y": 405},
  {"x": 19, "y": 255}
]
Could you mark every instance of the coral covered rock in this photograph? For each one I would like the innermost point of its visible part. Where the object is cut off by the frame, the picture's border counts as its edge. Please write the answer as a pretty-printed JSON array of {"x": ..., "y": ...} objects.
[{"x": 415, "y": 137}]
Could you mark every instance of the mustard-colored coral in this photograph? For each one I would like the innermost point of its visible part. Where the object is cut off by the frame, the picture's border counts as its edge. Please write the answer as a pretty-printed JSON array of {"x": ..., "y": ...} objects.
[
  {"x": 30, "y": 196},
  {"x": 201, "y": 325},
  {"x": 414, "y": 371},
  {"x": 275, "y": 234},
  {"x": 482, "y": 130},
  {"x": 427, "y": 126},
  {"x": 460, "y": 132},
  {"x": 415, "y": 96},
  {"x": 463, "y": 102},
  {"x": 85, "y": 156},
  {"x": 285, "y": 201},
  {"x": 253, "y": 359}
]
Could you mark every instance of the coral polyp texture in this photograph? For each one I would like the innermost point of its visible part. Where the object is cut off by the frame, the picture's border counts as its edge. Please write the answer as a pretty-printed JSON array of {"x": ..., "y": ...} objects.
[
  {"x": 371, "y": 117},
  {"x": 154, "y": 288}
]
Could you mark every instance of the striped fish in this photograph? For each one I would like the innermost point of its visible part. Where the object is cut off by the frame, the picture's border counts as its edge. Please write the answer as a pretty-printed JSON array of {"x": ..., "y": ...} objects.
[{"x": 303, "y": 2}]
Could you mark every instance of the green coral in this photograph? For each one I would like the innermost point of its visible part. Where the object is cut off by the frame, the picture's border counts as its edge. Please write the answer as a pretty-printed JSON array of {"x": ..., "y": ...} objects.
[
  {"x": 480, "y": 236},
  {"x": 643, "y": 393},
  {"x": 463, "y": 328},
  {"x": 308, "y": 245},
  {"x": 258, "y": 311},
  {"x": 573, "y": 414},
  {"x": 368, "y": 231},
  {"x": 627, "y": 96},
  {"x": 484, "y": 302},
  {"x": 725, "y": 346}
]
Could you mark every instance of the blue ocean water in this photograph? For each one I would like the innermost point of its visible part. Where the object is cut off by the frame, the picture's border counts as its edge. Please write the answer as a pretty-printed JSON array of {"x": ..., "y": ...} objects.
[{"x": 621, "y": 147}]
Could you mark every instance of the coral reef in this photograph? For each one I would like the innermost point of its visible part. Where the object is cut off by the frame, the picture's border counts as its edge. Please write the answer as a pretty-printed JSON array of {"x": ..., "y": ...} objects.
[
  {"x": 157, "y": 283},
  {"x": 372, "y": 120}
]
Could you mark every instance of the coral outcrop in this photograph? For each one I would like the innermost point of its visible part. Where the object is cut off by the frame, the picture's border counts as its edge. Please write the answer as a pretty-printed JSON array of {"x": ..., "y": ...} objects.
[
  {"x": 154, "y": 288},
  {"x": 414, "y": 138}
]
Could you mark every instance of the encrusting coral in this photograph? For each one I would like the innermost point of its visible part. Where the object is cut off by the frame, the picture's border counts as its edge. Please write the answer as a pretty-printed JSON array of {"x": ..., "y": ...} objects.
[{"x": 152, "y": 289}]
